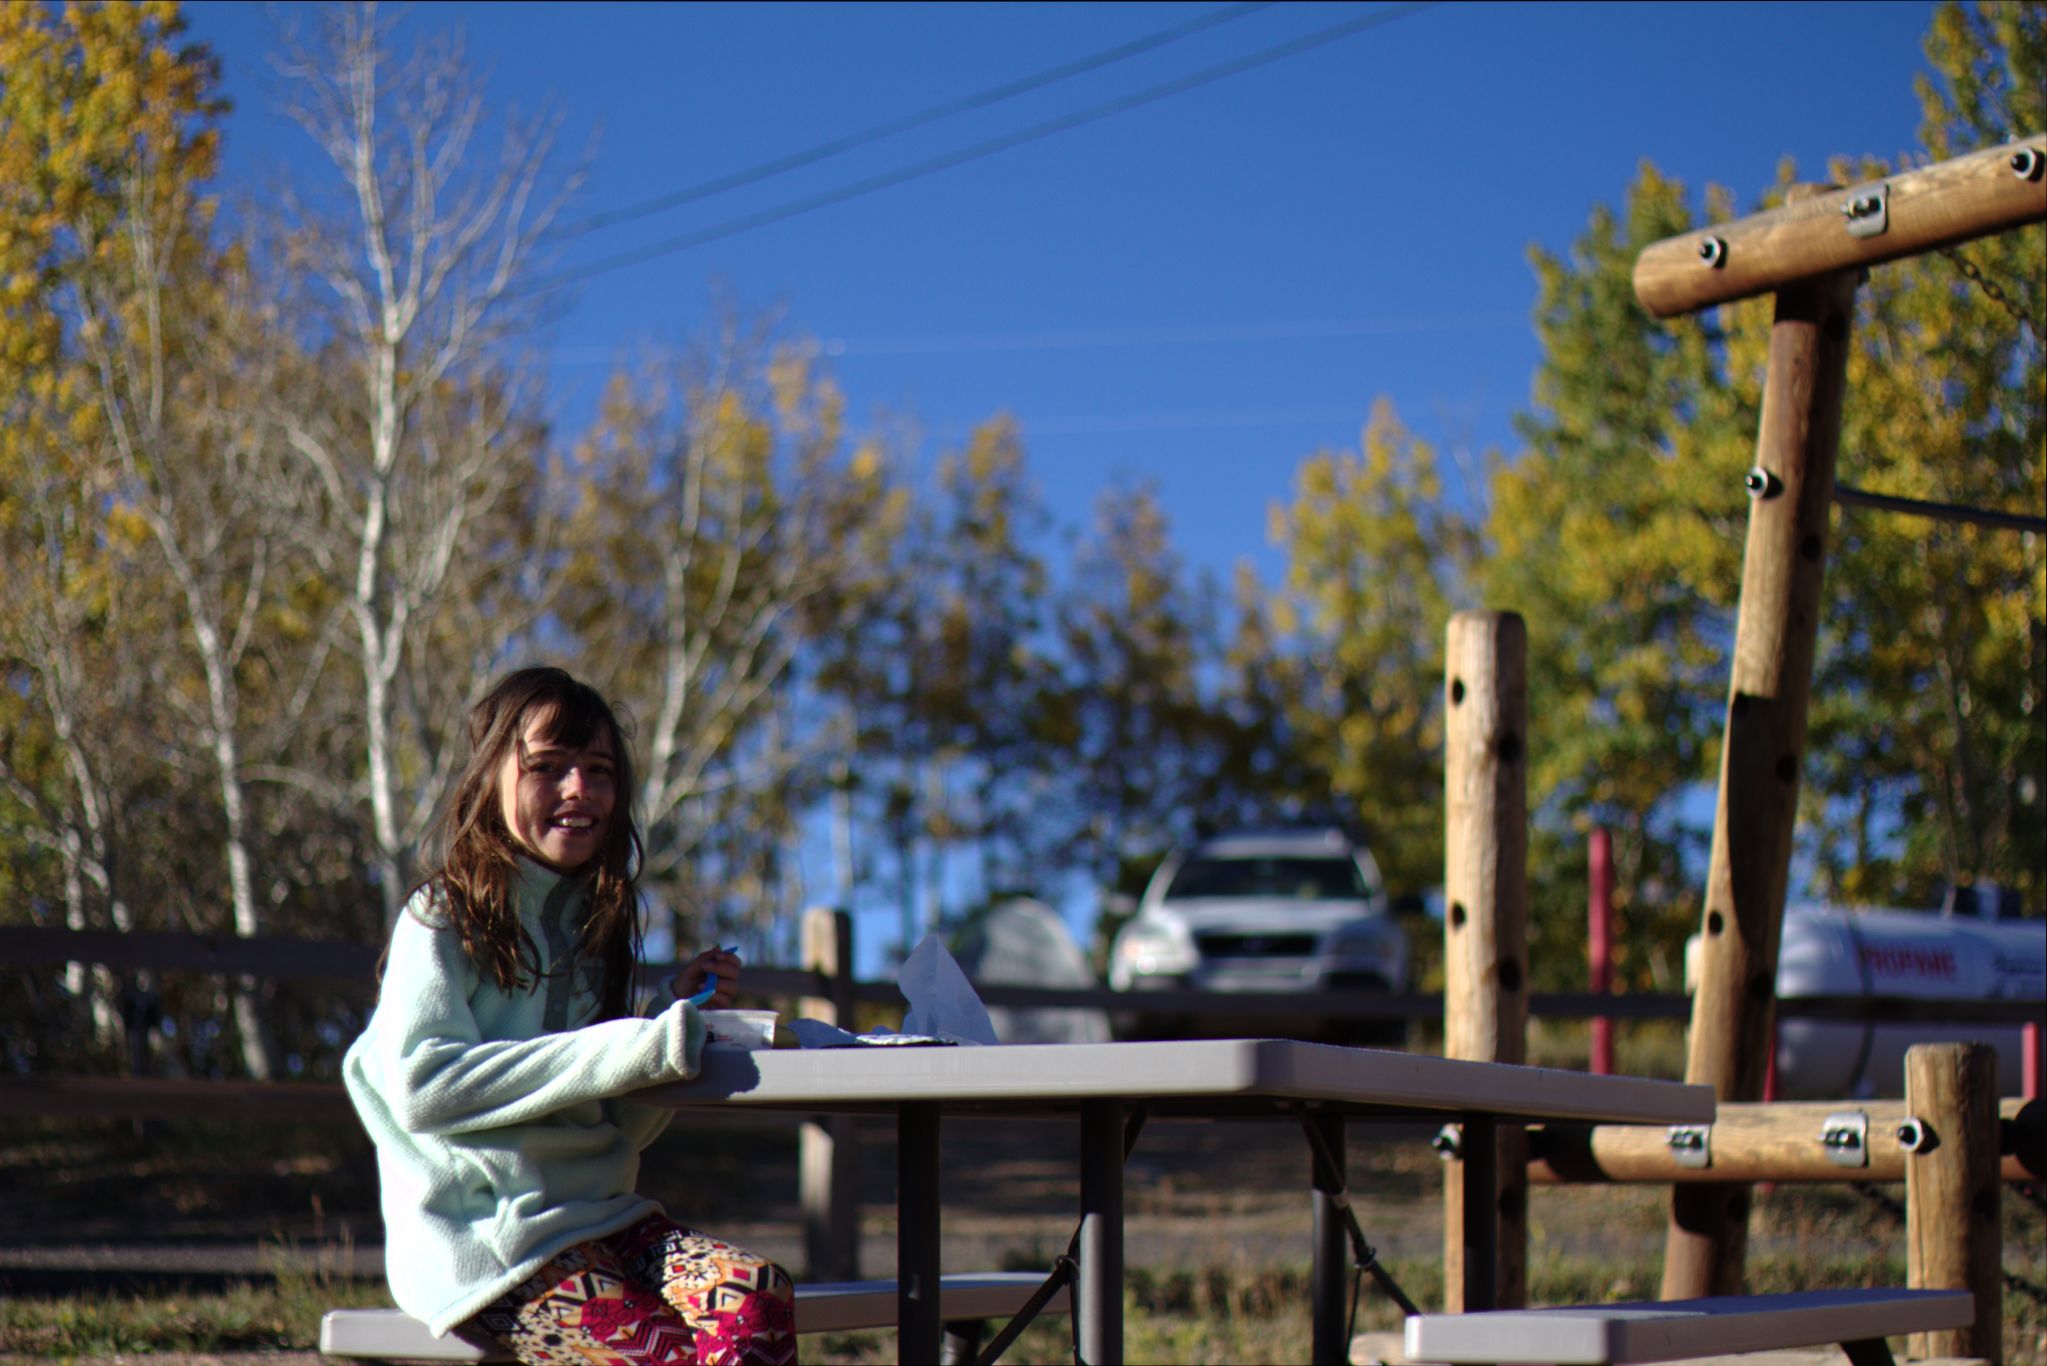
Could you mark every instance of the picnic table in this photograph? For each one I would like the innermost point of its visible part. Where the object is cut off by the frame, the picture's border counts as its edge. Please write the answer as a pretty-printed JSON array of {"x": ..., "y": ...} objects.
[{"x": 1112, "y": 1087}]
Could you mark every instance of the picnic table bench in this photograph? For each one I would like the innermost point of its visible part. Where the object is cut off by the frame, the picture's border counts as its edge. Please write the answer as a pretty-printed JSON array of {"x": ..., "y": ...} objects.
[
  {"x": 965, "y": 1302},
  {"x": 1674, "y": 1330}
]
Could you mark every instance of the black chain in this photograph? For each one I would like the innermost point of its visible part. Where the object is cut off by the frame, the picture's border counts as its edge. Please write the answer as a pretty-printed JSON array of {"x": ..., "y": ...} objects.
[
  {"x": 1879, "y": 1199},
  {"x": 2012, "y": 1280},
  {"x": 1993, "y": 290}
]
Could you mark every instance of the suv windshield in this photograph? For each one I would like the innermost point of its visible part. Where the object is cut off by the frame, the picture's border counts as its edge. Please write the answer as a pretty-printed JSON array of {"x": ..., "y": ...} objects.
[{"x": 1304, "y": 879}]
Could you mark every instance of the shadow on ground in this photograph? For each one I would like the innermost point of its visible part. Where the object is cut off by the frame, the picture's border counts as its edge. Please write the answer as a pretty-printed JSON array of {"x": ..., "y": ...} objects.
[{"x": 122, "y": 1206}]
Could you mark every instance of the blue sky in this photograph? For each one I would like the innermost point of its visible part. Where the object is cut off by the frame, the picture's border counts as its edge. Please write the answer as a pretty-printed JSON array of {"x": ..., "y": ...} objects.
[{"x": 1196, "y": 293}]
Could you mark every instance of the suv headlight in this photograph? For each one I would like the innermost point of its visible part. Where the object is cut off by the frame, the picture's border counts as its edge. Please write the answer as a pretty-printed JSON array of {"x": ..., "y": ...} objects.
[
  {"x": 1150, "y": 948},
  {"x": 1375, "y": 940}
]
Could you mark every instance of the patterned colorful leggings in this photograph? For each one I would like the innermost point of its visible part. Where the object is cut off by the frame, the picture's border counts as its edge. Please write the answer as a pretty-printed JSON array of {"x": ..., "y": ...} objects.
[{"x": 657, "y": 1292}]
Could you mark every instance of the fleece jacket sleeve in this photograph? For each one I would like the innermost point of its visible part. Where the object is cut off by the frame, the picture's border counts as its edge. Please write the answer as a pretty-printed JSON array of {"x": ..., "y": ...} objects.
[
  {"x": 644, "y": 1123},
  {"x": 444, "y": 1076}
]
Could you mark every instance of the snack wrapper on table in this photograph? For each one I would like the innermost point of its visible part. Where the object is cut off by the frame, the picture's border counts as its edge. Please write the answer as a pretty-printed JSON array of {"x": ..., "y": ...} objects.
[{"x": 944, "y": 1008}]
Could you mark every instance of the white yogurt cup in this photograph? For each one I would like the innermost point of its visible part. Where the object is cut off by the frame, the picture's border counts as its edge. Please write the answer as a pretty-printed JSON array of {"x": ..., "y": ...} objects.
[{"x": 741, "y": 1030}]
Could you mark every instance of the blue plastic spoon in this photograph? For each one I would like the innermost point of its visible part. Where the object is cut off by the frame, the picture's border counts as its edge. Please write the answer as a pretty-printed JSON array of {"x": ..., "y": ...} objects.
[{"x": 712, "y": 990}]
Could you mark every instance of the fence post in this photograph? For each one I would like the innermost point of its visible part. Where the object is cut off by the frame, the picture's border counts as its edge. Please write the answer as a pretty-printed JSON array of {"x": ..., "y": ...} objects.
[
  {"x": 1783, "y": 565},
  {"x": 1485, "y": 928},
  {"x": 1952, "y": 1191},
  {"x": 828, "y": 1147}
]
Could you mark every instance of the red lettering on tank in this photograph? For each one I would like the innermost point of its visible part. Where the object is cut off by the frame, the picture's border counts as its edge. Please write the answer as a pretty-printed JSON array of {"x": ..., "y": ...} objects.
[{"x": 1895, "y": 960}]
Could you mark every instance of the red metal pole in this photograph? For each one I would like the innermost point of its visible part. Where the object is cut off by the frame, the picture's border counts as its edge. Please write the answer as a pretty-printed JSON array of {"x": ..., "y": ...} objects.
[
  {"x": 1599, "y": 944},
  {"x": 2029, "y": 1054},
  {"x": 1770, "y": 1076}
]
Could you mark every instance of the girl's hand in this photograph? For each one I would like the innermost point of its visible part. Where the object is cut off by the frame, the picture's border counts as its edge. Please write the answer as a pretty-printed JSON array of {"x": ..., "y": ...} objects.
[{"x": 717, "y": 968}]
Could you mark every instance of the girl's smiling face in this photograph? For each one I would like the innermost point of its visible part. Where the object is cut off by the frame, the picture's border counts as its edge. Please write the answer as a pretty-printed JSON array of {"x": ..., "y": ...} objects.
[{"x": 557, "y": 800}]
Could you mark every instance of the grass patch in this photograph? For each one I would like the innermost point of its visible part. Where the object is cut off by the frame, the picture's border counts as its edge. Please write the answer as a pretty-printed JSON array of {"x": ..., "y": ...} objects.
[
  {"x": 1195, "y": 1315},
  {"x": 280, "y": 1314},
  {"x": 247, "y": 1317},
  {"x": 1642, "y": 1048},
  {"x": 302, "y": 1192}
]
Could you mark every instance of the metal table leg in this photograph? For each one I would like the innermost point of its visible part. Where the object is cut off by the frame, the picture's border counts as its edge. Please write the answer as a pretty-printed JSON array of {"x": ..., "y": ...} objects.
[
  {"x": 1481, "y": 1153},
  {"x": 919, "y": 1327},
  {"x": 1326, "y": 1283},
  {"x": 1100, "y": 1310}
]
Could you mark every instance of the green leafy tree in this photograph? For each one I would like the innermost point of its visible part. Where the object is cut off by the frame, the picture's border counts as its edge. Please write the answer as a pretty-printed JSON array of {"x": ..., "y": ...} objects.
[
  {"x": 942, "y": 681},
  {"x": 1930, "y": 745},
  {"x": 1131, "y": 726},
  {"x": 1616, "y": 532}
]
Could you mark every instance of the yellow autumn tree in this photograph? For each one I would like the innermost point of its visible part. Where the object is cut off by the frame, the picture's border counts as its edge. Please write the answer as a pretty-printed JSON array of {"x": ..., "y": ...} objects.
[
  {"x": 726, "y": 531},
  {"x": 1375, "y": 560},
  {"x": 106, "y": 136}
]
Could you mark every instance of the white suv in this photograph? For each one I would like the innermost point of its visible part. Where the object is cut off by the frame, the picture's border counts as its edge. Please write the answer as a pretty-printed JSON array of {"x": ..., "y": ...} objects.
[{"x": 1269, "y": 912}]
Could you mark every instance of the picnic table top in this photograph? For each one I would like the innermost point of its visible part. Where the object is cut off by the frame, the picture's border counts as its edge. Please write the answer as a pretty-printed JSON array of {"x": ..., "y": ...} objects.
[{"x": 1210, "y": 1076}]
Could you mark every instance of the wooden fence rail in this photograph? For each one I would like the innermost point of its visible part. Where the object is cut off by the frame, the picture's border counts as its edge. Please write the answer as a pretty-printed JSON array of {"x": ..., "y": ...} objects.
[
  {"x": 281, "y": 958},
  {"x": 1779, "y": 1141}
]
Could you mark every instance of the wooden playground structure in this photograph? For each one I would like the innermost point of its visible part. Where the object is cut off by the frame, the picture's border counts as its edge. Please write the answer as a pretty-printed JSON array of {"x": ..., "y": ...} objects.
[{"x": 1811, "y": 254}]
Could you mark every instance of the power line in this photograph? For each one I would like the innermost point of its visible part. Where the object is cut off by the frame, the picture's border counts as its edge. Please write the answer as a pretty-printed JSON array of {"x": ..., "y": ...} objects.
[
  {"x": 945, "y": 161},
  {"x": 965, "y": 103},
  {"x": 1392, "y": 325}
]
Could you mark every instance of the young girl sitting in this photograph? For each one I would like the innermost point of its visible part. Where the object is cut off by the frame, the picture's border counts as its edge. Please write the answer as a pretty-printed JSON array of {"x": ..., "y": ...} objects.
[{"x": 495, "y": 1073}]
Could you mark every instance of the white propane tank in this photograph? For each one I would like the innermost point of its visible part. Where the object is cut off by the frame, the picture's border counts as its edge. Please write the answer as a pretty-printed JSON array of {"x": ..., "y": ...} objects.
[{"x": 1829, "y": 951}]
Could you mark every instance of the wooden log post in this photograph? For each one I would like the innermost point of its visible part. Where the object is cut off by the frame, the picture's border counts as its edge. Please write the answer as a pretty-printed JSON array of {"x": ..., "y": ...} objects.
[
  {"x": 1783, "y": 565},
  {"x": 828, "y": 1147},
  {"x": 1485, "y": 929},
  {"x": 1952, "y": 1221}
]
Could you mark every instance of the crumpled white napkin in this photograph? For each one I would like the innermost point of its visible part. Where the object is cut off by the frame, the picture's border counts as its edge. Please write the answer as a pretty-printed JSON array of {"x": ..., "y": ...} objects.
[
  {"x": 943, "y": 1006},
  {"x": 943, "y": 1003}
]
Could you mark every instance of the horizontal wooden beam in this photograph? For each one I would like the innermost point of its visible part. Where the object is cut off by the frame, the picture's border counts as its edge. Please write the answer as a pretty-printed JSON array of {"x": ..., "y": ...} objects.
[
  {"x": 313, "y": 1102},
  {"x": 1908, "y": 214},
  {"x": 201, "y": 1099},
  {"x": 1765, "y": 1141},
  {"x": 168, "y": 951},
  {"x": 280, "y": 958}
]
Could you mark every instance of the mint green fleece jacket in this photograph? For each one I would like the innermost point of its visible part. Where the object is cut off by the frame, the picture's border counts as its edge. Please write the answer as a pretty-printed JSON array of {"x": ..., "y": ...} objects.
[{"x": 501, "y": 1134}]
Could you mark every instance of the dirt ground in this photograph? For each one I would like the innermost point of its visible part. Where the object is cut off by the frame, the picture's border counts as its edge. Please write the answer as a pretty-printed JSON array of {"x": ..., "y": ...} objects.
[
  {"x": 102, "y": 1202},
  {"x": 109, "y": 1203},
  {"x": 109, "y": 1207}
]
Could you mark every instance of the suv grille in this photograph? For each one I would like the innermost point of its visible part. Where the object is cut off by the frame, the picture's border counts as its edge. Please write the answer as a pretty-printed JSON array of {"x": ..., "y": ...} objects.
[{"x": 1256, "y": 945}]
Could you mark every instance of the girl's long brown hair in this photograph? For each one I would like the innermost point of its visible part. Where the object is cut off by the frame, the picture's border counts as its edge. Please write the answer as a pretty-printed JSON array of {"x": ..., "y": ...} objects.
[{"x": 474, "y": 871}]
